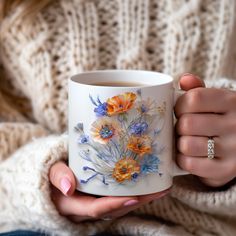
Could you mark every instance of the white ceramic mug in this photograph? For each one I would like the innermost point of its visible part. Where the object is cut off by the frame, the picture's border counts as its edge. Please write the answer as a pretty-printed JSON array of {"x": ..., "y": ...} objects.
[{"x": 121, "y": 135}]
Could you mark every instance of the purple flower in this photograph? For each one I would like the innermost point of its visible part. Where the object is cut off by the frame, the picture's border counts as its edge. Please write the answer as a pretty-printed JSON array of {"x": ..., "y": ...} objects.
[
  {"x": 101, "y": 108},
  {"x": 135, "y": 176},
  {"x": 138, "y": 128}
]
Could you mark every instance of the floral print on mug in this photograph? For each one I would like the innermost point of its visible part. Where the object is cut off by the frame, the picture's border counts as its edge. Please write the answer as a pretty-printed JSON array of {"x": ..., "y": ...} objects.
[{"x": 122, "y": 146}]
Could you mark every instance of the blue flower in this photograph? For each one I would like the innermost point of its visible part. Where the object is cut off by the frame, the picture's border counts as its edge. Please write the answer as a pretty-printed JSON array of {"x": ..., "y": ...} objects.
[
  {"x": 143, "y": 108},
  {"x": 83, "y": 139},
  {"x": 139, "y": 92},
  {"x": 106, "y": 132},
  {"x": 149, "y": 164},
  {"x": 135, "y": 176},
  {"x": 101, "y": 108},
  {"x": 138, "y": 128}
]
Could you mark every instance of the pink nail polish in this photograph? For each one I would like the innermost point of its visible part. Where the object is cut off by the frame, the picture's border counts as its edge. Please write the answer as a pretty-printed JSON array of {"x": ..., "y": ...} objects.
[
  {"x": 65, "y": 185},
  {"x": 130, "y": 202}
]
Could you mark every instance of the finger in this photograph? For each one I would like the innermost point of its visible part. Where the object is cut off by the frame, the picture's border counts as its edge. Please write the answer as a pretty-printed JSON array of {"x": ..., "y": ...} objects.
[
  {"x": 215, "y": 183},
  {"x": 76, "y": 204},
  {"x": 207, "y": 168},
  {"x": 198, "y": 146},
  {"x": 125, "y": 210},
  {"x": 145, "y": 199},
  {"x": 106, "y": 205},
  {"x": 205, "y": 100},
  {"x": 89, "y": 206},
  {"x": 62, "y": 178},
  {"x": 153, "y": 196},
  {"x": 189, "y": 81},
  {"x": 201, "y": 125},
  {"x": 77, "y": 219}
]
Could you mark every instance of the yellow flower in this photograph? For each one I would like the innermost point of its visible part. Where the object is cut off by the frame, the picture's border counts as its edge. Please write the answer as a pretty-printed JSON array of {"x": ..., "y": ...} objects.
[
  {"x": 120, "y": 104},
  {"x": 126, "y": 169},
  {"x": 104, "y": 129},
  {"x": 140, "y": 144}
]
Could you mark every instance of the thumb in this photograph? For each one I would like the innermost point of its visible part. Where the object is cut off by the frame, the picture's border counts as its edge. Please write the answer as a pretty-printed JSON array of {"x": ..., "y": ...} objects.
[
  {"x": 190, "y": 81},
  {"x": 62, "y": 178}
]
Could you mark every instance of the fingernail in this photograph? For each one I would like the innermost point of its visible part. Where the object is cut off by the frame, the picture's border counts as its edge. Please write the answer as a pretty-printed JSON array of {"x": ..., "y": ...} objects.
[
  {"x": 65, "y": 185},
  {"x": 189, "y": 74},
  {"x": 130, "y": 202}
]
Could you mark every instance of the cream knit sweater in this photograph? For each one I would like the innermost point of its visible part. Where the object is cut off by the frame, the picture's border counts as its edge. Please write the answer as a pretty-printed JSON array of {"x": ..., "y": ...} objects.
[{"x": 71, "y": 36}]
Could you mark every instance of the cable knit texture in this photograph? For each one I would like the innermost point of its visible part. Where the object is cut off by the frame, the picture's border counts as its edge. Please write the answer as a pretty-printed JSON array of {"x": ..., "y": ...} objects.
[{"x": 72, "y": 36}]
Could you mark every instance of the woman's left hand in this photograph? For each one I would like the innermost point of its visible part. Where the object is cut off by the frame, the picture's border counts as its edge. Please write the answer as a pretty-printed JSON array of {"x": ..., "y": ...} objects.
[
  {"x": 80, "y": 207},
  {"x": 205, "y": 113}
]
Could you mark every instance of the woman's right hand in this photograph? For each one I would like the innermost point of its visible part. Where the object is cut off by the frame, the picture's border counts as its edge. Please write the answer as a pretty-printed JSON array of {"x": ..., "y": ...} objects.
[{"x": 78, "y": 206}]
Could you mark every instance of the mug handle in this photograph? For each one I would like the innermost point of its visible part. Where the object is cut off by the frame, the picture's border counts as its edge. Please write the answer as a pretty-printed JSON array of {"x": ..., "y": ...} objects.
[{"x": 176, "y": 169}]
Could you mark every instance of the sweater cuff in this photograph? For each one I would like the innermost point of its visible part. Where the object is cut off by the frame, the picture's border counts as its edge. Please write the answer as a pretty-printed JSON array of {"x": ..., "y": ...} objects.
[
  {"x": 216, "y": 201},
  {"x": 221, "y": 83},
  {"x": 25, "y": 182}
]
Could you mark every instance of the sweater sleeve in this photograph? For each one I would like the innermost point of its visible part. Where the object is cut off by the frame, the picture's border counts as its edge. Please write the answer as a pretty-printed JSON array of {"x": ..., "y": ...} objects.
[
  {"x": 27, "y": 151},
  {"x": 25, "y": 189}
]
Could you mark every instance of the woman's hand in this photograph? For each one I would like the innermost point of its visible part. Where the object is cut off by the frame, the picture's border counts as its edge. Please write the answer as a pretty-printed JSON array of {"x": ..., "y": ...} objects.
[
  {"x": 203, "y": 113},
  {"x": 78, "y": 206}
]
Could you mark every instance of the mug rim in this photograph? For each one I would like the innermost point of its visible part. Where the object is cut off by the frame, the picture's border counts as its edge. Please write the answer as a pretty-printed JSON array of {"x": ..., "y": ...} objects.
[{"x": 86, "y": 78}]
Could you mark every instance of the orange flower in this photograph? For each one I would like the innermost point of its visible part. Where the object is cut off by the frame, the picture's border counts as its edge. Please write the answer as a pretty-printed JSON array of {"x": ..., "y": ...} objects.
[
  {"x": 104, "y": 129},
  {"x": 140, "y": 144},
  {"x": 126, "y": 169},
  {"x": 120, "y": 104}
]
